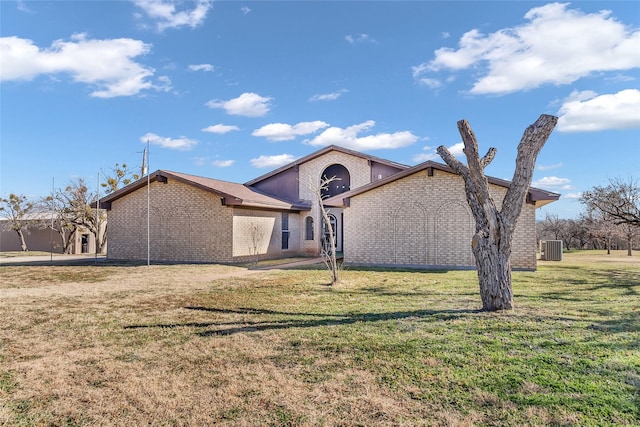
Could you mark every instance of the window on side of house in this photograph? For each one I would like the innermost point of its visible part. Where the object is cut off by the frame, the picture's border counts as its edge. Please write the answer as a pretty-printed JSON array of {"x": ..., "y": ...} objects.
[
  {"x": 285, "y": 230},
  {"x": 308, "y": 228}
]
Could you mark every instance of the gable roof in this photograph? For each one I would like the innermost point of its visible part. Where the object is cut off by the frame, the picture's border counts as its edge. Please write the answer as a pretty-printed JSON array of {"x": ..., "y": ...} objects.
[
  {"x": 231, "y": 193},
  {"x": 536, "y": 196},
  {"x": 322, "y": 152}
]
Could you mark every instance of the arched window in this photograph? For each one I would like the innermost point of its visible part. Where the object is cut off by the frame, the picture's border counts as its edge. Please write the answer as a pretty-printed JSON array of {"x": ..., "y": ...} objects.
[
  {"x": 341, "y": 184},
  {"x": 308, "y": 228}
]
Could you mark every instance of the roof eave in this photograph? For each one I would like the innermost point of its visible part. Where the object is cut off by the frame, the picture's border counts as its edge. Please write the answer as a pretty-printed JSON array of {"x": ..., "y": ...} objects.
[
  {"x": 538, "y": 196},
  {"x": 319, "y": 153},
  {"x": 162, "y": 176}
]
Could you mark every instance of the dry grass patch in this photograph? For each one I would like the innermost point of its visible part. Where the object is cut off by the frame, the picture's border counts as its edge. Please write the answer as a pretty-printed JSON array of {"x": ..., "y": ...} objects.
[{"x": 203, "y": 345}]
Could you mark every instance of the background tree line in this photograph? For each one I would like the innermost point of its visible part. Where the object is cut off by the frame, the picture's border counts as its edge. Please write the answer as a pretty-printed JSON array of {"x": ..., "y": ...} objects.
[
  {"x": 67, "y": 210},
  {"x": 611, "y": 219}
]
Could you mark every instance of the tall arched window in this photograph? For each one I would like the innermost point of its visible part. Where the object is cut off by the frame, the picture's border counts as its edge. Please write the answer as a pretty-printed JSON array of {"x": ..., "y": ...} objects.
[
  {"x": 308, "y": 228},
  {"x": 341, "y": 184}
]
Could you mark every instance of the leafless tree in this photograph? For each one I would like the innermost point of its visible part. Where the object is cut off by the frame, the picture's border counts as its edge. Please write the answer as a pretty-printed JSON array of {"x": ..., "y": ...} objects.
[
  {"x": 77, "y": 199},
  {"x": 16, "y": 210},
  {"x": 59, "y": 220},
  {"x": 628, "y": 231},
  {"x": 327, "y": 235},
  {"x": 570, "y": 231},
  {"x": 491, "y": 244},
  {"x": 580, "y": 233},
  {"x": 600, "y": 227},
  {"x": 552, "y": 226},
  {"x": 620, "y": 201},
  {"x": 257, "y": 234}
]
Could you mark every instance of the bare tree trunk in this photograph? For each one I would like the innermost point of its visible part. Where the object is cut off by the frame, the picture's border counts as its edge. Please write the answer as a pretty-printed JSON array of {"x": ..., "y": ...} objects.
[
  {"x": 23, "y": 243},
  {"x": 98, "y": 242},
  {"x": 494, "y": 274},
  {"x": 70, "y": 238},
  {"x": 105, "y": 237},
  {"x": 491, "y": 244},
  {"x": 63, "y": 239},
  {"x": 329, "y": 253}
]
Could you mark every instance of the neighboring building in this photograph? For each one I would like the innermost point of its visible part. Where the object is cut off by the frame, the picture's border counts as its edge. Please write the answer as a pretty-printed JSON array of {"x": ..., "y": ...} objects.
[
  {"x": 39, "y": 237},
  {"x": 383, "y": 213}
]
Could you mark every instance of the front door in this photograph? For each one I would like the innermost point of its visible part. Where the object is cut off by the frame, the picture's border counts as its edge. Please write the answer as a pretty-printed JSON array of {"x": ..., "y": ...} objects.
[
  {"x": 337, "y": 232},
  {"x": 84, "y": 244}
]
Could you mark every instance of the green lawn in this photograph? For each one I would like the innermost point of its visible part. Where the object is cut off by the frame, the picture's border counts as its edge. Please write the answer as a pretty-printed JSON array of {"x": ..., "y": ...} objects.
[{"x": 182, "y": 345}]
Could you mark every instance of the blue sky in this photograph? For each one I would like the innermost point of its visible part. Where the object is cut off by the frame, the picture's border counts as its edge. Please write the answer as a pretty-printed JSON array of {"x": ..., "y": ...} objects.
[{"x": 233, "y": 89}]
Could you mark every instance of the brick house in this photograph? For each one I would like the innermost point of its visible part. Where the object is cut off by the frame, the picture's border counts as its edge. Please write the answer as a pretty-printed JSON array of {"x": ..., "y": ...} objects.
[
  {"x": 383, "y": 213},
  {"x": 419, "y": 217}
]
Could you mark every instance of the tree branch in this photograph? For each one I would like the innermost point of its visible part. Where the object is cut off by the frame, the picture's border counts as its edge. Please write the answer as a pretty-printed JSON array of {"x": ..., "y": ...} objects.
[
  {"x": 470, "y": 189},
  {"x": 450, "y": 160},
  {"x": 532, "y": 141},
  {"x": 488, "y": 158}
]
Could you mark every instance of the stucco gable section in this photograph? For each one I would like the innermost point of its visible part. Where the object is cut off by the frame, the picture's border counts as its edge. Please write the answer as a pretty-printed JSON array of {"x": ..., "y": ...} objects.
[
  {"x": 231, "y": 193},
  {"x": 535, "y": 196},
  {"x": 320, "y": 153}
]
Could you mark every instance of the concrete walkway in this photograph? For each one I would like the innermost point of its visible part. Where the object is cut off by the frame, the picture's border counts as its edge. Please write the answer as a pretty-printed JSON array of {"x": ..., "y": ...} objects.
[
  {"x": 294, "y": 264},
  {"x": 55, "y": 259},
  {"x": 60, "y": 259}
]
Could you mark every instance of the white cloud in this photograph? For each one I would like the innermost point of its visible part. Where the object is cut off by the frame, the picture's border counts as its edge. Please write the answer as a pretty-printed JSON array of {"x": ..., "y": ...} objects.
[
  {"x": 165, "y": 15},
  {"x": 587, "y": 112},
  {"x": 201, "y": 67},
  {"x": 555, "y": 45},
  {"x": 22, "y": 7},
  {"x": 248, "y": 104},
  {"x": 220, "y": 129},
  {"x": 553, "y": 182},
  {"x": 328, "y": 96},
  {"x": 272, "y": 161},
  {"x": 182, "y": 143},
  {"x": 163, "y": 84},
  {"x": 572, "y": 196},
  {"x": 286, "y": 132},
  {"x": 200, "y": 161},
  {"x": 430, "y": 83},
  {"x": 457, "y": 150},
  {"x": 245, "y": 10},
  {"x": 548, "y": 167},
  {"x": 360, "y": 38},
  {"x": 106, "y": 64},
  {"x": 423, "y": 157},
  {"x": 430, "y": 153},
  {"x": 348, "y": 138},
  {"x": 223, "y": 163}
]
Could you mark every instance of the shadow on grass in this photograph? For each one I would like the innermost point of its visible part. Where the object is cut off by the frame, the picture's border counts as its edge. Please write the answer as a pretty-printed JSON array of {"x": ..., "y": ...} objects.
[
  {"x": 418, "y": 269},
  {"x": 580, "y": 289},
  {"x": 318, "y": 319},
  {"x": 626, "y": 281}
]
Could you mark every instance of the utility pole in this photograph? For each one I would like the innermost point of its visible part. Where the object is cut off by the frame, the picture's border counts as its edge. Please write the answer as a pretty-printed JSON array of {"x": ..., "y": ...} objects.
[{"x": 148, "y": 208}]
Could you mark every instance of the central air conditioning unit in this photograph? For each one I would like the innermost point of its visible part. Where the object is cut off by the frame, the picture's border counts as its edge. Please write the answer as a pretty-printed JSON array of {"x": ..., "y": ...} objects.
[{"x": 551, "y": 250}]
